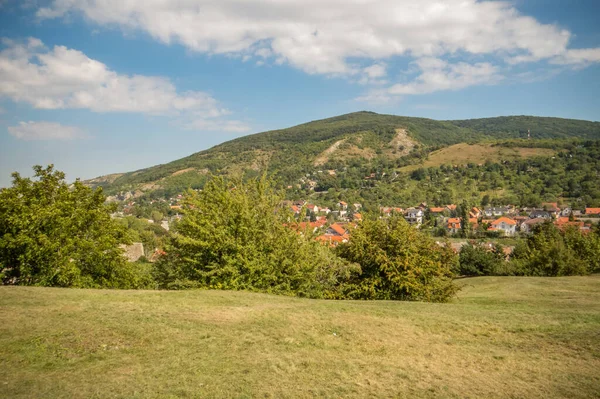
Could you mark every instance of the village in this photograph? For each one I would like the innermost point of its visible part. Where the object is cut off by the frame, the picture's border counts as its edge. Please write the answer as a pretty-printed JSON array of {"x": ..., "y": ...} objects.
[{"x": 335, "y": 226}]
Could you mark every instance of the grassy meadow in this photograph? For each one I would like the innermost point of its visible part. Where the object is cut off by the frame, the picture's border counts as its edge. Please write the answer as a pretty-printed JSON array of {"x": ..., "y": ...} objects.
[
  {"x": 502, "y": 337},
  {"x": 463, "y": 153}
]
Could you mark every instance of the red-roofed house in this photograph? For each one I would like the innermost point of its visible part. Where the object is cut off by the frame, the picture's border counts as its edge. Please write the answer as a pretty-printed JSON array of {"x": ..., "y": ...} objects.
[
  {"x": 564, "y": 222},
  {"x": 451, "y": 207},
  {"x": 454, "y": 225},
  {"x": 474, "y": 223},
  {"x": 337, "y": 229},
  {"x": 436, "y": 210},
  {"x": 551, "y": 207},
  {"x": 312, "y": 208},
  {"x": 357, "y": 216},
  {"x": 475, "y": 213},
  {"x": 592, "y": 211},
  {"x": 332, "y": 241},
  {"x": 504, "y": 224}
]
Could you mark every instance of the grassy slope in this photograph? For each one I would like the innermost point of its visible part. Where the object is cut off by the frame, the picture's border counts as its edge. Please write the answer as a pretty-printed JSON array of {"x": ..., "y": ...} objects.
[
  {"x": 503, "y": 337},
  {"x": 462, "y": 154}
]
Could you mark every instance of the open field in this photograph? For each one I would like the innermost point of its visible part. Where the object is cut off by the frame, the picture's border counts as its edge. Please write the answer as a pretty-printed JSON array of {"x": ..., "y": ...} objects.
[
  {"x": 502, "y": 337},
  {"x": 462, "y": 154}
]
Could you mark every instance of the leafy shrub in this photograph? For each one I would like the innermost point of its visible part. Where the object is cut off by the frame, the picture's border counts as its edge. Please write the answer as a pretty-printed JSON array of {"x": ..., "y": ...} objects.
[
  {"x": 552, "y": 252},
  {"x": 236, "y": 236},
  {"x": 53, "y": 234},
  {"x": 480, "y": 260},
  {"x": 398, "y": 262}
]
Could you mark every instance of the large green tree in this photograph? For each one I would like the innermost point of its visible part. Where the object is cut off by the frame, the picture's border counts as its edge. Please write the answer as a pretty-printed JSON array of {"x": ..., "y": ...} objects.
[
  {"x": 552, "y": 252},
  {"x": 236, "y": 235},
  {"x": 56, "y": 234},
  {"x": 399, "y": 262}
]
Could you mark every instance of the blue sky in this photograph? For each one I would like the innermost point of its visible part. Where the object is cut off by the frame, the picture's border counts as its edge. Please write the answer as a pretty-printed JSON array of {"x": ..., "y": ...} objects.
[{"x": 105, "y": 86}]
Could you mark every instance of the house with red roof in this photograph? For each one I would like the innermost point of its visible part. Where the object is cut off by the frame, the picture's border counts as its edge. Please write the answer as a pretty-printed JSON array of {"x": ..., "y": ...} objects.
[
  {"x": 475, "y": 213},
  {"x": 312, "y": 208},
  {"x": 337, "y": 229},
  {"x": 436, "y": 211},
  {"x": 474, "y": 223},
  {"x": 592, "y": 211},
  {"x": 332, "y": 241},
  {"x": 563, "y": 223},
  {"x": 506, "y": 225},
  {"x": 453, "y": 225},
  {"x": 551, "y": 207}
]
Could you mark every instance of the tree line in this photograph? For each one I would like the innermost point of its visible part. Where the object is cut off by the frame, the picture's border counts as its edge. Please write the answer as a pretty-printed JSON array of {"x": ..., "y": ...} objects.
[{"x": 237, "y": 235}]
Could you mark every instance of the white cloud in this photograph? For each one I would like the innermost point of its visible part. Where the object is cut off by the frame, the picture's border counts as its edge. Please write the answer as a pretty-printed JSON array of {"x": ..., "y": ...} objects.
[
  {"x": 63, "y": 78},
  {"x": 45, "y": 131},
  {"x": 321, "y": 36},
  {"x": 578, "y": 57},
  {"x": 375, "y": 71},
  {"x": 340, "y": 37},
  {"x": 437, "y": 74}
]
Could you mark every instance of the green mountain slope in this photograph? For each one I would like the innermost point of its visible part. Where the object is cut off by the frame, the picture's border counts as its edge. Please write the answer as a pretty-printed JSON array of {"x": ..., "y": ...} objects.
[
  {"x": 361, "y": 138},
  {"x": 540, "y": 127}
]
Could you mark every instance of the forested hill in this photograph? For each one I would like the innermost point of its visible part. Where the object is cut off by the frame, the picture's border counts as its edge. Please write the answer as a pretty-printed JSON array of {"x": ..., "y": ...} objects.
[
  {"x": 361, "y": 138},
  {"x": 541, "y": 127}
]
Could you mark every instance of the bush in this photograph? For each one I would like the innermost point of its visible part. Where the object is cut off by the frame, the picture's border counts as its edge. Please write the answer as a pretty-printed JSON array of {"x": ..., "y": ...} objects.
[
  {"x": 479, "y": 260},
  {"x": 236, "y": 236},
  {"x": 552, "y": 252},
  {"x": 53, "y": 234},
  {"x": 398, "y": 262}
]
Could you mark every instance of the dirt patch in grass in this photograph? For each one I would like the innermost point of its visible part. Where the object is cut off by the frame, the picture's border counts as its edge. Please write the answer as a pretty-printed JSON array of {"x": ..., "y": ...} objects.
[
  {"x": 323, "y": 157},
  {"x": 401, "y": 144}
]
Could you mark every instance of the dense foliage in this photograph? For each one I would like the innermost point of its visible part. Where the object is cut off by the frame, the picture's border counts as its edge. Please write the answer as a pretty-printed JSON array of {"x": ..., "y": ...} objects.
[
  {"x": 573, "y": 175},
  {"x": 550, "y": 251},
  {"x": 479, "y": 259},
  {"x": 540, "y": 127},
  {"x": 236, "y": 236},
  {"x": 398, "y": 262},
  {"x": 55, "y": 235}
]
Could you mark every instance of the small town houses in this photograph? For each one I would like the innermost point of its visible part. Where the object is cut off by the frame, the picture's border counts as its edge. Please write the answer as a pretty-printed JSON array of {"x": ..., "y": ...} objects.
[
  {"x": 334, "y": 226},
  {"x": 505, "y": 225}
]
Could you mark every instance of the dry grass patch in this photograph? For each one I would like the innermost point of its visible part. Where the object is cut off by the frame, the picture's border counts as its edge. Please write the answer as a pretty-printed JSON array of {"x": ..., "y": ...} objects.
[
  {"x": 462, "y": 154},
  {"x": 502, "y": 337}
]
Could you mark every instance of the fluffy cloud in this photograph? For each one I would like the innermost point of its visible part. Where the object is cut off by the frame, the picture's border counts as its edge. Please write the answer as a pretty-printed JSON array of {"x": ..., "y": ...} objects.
[
  {"x": 434, "y": 75},
  {"x": 578, "y": 57},
  {"x": 437, "y": 74},
  {"x": 45, "y": 131},
  {"x": 323, "y": 36},
  {"x": 63, "y": 78}
]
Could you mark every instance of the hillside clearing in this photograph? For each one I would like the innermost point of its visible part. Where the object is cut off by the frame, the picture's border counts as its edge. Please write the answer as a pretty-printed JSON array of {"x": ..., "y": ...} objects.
[
  {"x": 502, "y": 337},
  {"x": 402, "y": 143},
  {"x": 322, "y": 158},
  {"x": 462, "y": 154}
]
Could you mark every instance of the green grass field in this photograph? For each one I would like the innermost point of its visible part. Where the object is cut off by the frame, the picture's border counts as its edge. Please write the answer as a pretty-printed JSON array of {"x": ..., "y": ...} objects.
[{"x": 502, "y": 337}]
